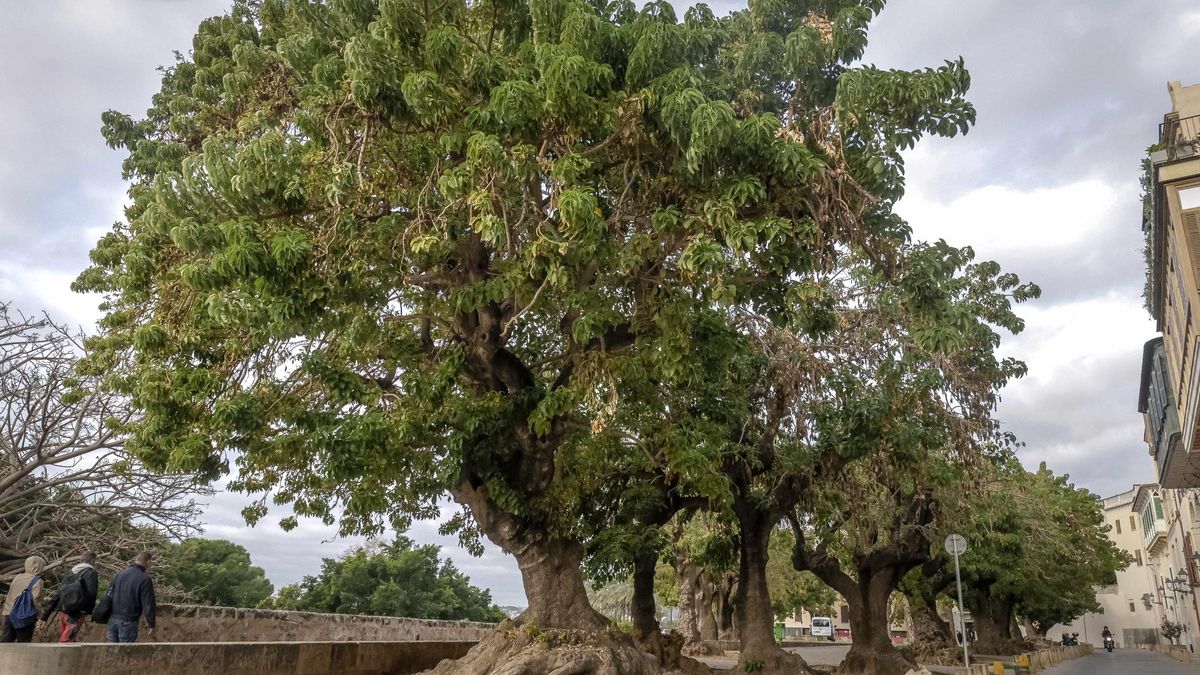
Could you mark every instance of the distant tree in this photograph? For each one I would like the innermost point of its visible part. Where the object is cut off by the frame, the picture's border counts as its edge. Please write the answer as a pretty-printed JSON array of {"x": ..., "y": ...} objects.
[
  {"x": 216, "y": 572},
  {"x": 1038, "y": 547},
  {"x": 613, "y": 600},
  {"x": 1171, "y": 630},
  {"x": 396, "y": 579},
  {"x": 790, "y": 589}
]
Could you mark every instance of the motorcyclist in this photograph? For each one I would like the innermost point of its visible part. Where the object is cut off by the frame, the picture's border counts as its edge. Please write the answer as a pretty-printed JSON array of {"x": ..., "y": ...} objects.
[{"x": 1106, "y": 632}]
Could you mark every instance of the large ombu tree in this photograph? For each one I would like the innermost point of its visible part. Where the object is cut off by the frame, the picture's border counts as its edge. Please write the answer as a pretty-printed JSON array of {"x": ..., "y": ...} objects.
[
  {"x": 897, "y": 370},
  {"x": 906, "y": 431},
  {"x": 378, "y": 251},
  {"x": 1039, "y": 547}
]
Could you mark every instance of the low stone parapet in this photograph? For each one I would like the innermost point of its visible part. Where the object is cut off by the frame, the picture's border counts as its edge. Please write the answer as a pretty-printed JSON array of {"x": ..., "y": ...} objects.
[
  {"x": 229, "y": 658},
  {"x": 195, "y": 623},
  {"x": 1029, "y": 662},
  {"x": 1177, "y": 652}
]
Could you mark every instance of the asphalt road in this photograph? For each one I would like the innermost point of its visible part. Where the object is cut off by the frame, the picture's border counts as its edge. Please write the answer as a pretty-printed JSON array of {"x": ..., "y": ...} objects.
[
  {"x": 1125, "y": 662},
  {"x": 816, "y": 655},
  {"x": 822, "y": 655}
]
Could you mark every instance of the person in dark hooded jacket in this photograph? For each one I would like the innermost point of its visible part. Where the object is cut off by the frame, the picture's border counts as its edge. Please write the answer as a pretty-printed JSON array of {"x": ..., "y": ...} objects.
[{"x": 79, "y": 588}]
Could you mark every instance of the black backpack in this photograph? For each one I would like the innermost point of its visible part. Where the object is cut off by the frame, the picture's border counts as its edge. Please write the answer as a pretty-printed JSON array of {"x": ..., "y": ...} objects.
[{"x": 71, "y": 596}]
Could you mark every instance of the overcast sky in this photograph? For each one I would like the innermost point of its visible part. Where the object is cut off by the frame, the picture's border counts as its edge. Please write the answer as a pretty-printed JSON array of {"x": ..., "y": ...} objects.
[{"x": 1069, "y": 94}]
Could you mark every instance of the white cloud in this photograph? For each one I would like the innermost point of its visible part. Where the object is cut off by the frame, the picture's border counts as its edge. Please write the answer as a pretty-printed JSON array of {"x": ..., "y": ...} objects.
[
  {"x": 289, "y": 556},
  {"x": 1001, "y": 219},
  {"x": 1189, "y": 23},
  {"x": 1083, "y": 339},
  {"x": 33, "y": 289}
]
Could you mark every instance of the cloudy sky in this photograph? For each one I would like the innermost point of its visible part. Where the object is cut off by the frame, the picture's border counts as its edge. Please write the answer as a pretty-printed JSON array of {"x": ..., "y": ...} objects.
[{"x": 1069, "y": 93}]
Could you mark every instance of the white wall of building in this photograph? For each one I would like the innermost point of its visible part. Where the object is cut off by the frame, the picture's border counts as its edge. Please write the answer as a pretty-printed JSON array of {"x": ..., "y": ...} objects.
[{"x": 1139, "y": 601}]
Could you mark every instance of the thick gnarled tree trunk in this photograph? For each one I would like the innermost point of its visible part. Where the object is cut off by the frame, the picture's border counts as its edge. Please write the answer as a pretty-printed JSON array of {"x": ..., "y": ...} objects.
[
  {"x": 871, "y": 650},
  {"x": 755, "y": 616},
  {"x": 726, "y": 630},
  {"x": 647, "y": 632},
  {"x": 550, "y": 567},
  {"x": 559, "y": 631},
  {"x": 706, "y": 600},
  {"x": 994, "y": 619},
  {"x": 868, "y": 586},
  {"x": 929, "y": 630},
  {"x": 695, "y": 619},
  {"x": 932, "y": 638},
  {"x": 643, "y": 607}
]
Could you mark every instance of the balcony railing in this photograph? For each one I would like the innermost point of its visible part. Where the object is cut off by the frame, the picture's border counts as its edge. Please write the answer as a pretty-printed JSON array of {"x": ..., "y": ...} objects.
[
  {"x": 1154, "y": 535},
  {"x": 1180, "y": 137}
]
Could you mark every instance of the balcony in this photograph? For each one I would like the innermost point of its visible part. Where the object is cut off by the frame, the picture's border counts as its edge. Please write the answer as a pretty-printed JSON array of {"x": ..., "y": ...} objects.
[
  {"x": 1148, "y": 506},
  {"x": 1179, "y": 138},
  {"x": 1157, "y": 403}
]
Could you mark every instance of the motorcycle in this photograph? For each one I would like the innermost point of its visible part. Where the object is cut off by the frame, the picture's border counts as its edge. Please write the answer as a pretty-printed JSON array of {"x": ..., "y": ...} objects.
[
  {"x": 1069, "y": 640},
  {"x": 1109, "y": 643}
]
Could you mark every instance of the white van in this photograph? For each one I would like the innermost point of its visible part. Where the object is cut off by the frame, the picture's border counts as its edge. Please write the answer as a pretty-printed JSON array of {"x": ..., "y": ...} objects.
[{"x": 822, "y": 626}]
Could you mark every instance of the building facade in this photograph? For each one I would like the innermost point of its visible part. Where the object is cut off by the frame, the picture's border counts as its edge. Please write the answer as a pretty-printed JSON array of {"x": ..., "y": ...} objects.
[
  {"x": 1127, "y": 607},
  {"x": 1163, "y": 579},
  {"x": 1170, "y": 386}
]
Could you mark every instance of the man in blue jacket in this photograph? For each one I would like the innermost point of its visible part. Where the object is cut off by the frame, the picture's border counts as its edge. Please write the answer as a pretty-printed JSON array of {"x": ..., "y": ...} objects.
[{"x": 132, "y": 598}]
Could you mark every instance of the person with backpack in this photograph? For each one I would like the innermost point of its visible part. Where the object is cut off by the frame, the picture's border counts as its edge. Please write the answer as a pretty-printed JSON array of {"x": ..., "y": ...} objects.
[
  {"x": 75, "y": 598},
  {"x": 20, "y": 605},
  {"x": 132, "y": 596}
]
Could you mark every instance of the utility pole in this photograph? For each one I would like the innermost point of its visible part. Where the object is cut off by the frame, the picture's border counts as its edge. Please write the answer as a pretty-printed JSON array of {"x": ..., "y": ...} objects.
[{"x": 956, "y": 545}]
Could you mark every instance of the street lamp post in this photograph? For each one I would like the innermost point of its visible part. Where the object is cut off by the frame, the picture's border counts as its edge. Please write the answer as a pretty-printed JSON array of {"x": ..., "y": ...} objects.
[
  {"x": 956, "y": 545},
  {"x": 1180, "y": 586}
]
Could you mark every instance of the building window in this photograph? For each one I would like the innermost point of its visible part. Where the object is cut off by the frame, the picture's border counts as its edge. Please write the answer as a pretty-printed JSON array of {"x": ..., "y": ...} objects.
[
  {"x": 1118, "y": 527},
  {"x": 1132, "y": 608},
  {"x": 1138, "y": 554},
  {"x": 844, "y": 611},
  {"x": 1132, "y": 524}
]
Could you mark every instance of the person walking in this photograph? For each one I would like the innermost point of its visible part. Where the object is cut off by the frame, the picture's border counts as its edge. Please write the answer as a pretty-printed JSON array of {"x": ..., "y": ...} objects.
[
  {"x": 132, "y": 594},
  {"x": 75, "y": 598},
  {"x": 18, "y": 623}
]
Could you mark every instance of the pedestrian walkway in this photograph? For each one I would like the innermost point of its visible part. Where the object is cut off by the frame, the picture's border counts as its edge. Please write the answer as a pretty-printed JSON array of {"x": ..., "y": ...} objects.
[{"x": 1125, "y": 662}]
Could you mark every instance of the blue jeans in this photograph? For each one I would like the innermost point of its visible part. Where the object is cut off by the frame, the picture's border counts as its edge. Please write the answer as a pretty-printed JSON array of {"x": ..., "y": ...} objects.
[{"x": 120, "y": 630}]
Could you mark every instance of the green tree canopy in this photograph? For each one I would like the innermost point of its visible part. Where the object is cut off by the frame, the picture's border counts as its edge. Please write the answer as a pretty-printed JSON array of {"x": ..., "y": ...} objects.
[
  {"x": 395, "y": 579},
  {"x": 791, "y": 589},
  {"x": 215, "y": 572},
  {"x": 382, "y": 250},
  {"x": 1039, "y": 546}
]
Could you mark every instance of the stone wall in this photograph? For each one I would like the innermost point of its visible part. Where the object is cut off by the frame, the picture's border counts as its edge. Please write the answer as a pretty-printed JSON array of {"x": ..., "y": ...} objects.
[
  {"x": 240, "y": 658},
  {"x": 192, "y": 623}
]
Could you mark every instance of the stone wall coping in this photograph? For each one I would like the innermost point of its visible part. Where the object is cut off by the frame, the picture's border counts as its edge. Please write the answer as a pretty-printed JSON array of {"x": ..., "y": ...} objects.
[
  {"x": 145, "y": 644},
  {"x": 200, "y": 611},
  {"x": 230, "y": 658}
]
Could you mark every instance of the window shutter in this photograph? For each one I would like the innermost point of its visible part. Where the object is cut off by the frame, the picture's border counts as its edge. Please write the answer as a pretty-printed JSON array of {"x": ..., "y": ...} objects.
[{"x": 1191, "y": 233}]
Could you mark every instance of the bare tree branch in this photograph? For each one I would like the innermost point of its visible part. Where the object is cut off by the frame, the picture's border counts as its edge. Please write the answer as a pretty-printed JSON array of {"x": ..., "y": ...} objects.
[{"x": 66, "y": 483}]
